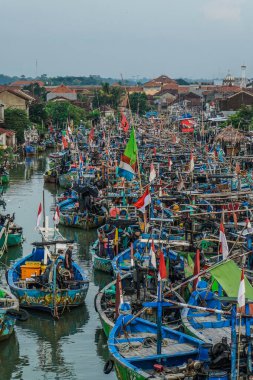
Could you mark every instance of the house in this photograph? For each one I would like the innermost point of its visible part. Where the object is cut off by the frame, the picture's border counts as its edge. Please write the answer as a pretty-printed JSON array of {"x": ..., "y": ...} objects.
[
  {"x": 62, "y": 92},
  {"x": 234, "y": 102},
  {"x": 1, "y": 113},
  {"x": 156, "y": 85},
  {"x": 15, "y": 98},
  {"x": 7, "y": 138}
]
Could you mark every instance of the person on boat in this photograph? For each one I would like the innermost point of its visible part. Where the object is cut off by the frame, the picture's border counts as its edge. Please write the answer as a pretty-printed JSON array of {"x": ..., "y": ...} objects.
[{"x": 68, "y": 259}]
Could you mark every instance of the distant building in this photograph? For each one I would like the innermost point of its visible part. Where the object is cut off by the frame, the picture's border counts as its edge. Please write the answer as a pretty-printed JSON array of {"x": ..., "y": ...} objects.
[
  {"x": 234, "y": 102},
  {"x": 157, "y": 84},
  {"x": 1, "y": 113},
  {"x": 15, "y": 98},
  {"x": 23, "y": 83},
  {"x": 62, "y": 93}
]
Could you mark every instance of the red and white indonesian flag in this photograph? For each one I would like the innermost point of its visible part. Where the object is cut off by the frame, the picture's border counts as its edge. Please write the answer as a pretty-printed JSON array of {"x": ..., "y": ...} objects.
[
  {"x": 170, "y": 164},
  {"x": 152, "y": 174},
  {"x": 191, "y": 165},
  {"x": 143, "y": 201},
  {"x": 152, "y": 254},
  {"x": 57, "y": 216},
  {"x": 241, "y": 292},
  {"x": 162, "y": 274},
  {"x": 39, "y": 215},
  {"x": 223, "y": 242},
  {"x": 248, "y": 224}
]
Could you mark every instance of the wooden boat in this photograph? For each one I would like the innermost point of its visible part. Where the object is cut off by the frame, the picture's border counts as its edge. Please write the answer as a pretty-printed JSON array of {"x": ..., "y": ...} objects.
[
  {"x": 9, "y": 307},
  {"x": 79, "y": 220},
  {"x": 10, "y": 234},
  {"x": 41, "y": 282},
  {"x": 133, "y": 346},
  {"x": 51, "y": 176},
  {"x": 30, "y": 150},
  {"x": 103, "y": 250},
  {"x": 5, "y": 178}
]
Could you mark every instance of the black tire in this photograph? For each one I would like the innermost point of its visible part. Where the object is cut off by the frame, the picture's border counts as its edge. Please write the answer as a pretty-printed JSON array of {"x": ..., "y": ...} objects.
[
  {"x": 108, "y": 367},
  {"x": 21, "y": 315},
  {"x": 95, "y": 302}
]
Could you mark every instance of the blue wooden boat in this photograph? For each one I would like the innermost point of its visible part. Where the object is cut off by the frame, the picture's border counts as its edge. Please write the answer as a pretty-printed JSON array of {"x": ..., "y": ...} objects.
[
  {"x": 133, "y": 347},
  {"x": 103, "y": 251},
  {"x": 41, "y": 282},
  {"x": 141, "y": 247},
  {"x": 30, "y": 150}
]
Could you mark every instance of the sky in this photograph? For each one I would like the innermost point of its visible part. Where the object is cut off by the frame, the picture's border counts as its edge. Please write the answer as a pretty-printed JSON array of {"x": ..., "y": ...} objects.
[{"x": 132, "y": 38}]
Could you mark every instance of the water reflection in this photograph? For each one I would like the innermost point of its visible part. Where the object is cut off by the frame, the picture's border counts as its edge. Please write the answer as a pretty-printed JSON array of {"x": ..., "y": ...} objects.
[{"x": 9, "y": 357}]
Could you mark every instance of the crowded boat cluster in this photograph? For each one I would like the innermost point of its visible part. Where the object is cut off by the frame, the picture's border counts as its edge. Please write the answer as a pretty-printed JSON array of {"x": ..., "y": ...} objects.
[{"x": 171, "y": 200}]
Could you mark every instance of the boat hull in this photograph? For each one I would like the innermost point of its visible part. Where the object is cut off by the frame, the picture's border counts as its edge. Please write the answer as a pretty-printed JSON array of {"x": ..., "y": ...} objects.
[
  {"x": 102, "y": 264},
  {"x": 6, "y": 326},
  {"x": 70, "y": 220}
]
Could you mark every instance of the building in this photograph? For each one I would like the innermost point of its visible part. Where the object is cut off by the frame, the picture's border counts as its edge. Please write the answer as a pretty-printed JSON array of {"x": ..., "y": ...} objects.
[
  {"x": 62, "y": 93},
  {"x": 23, "y": 83},
  {"x": 234, "y": 102},
  {"x": 15, "y": 98},
  {"x": 156, "y": 85},
  {"x": 7, "y": 138}
]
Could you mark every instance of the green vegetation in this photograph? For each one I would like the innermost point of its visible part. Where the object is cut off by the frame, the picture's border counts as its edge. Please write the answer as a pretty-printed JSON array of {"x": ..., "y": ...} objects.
[
  {"x": 138, "y": 103},
  {"x": 243, "y": 119},
  {"x": 37, "y": 113},
  {"x": 36, "y": 91},
  {"x": 60, "y": 112},
  {"x": 108, "y": 96},
  {"x": 18, "y": 121}
]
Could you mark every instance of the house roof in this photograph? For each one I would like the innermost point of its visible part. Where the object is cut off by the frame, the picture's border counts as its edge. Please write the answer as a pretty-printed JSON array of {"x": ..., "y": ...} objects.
[
  {"x": 16, "y": 92},
  {"x": 8, "y": 132},
  {"x": 62, "y": 89},
  {"x": 160, "y": 81},
  {"x": 21, "y": 83}
]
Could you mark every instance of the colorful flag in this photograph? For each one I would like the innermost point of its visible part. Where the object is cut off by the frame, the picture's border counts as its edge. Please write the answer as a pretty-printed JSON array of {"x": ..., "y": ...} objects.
[
  {"x": 39, "y": 214},
  {"x": 64, "y": 142},
  {"x": 152, "y": 254},
  {"x": 132, "y": 254},
  {"x": 124, "y": 123},
  {"x": 128, "y": 162},
  {"x": 57, "y": 216},
  {"x": 223, "y": 242},
  {"x": 152, "y": 174},
  {"x": 241, "y": 292},
  {"x": 143, "y": 201},
  {"x": 162, "y": 274},
  {"x": 154, "y": 151}
]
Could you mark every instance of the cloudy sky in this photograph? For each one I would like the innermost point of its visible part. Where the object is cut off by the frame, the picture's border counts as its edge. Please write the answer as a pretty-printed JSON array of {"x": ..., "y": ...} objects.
[{"x": 135, "y": 38}]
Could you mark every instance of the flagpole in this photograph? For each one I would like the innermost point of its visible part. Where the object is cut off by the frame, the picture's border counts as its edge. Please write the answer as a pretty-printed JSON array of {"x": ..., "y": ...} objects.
[{"x": 44, "y": 212}]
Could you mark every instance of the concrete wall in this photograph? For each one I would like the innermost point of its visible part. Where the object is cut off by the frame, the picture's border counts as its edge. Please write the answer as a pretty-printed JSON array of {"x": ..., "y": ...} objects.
[
  {"x": 3, "y": 139},
  {"x": 13, "y": 101},
  {"x": 1, "y": 113}
]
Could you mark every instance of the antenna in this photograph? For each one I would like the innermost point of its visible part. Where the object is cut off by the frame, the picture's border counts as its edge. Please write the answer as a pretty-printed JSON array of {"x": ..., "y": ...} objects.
[
  {"x": 36, "y": 68},
  {"x": 243, "y": 76}
]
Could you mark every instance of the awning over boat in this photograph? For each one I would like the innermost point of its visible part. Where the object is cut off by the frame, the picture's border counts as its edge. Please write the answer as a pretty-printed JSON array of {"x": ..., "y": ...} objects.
[{"x": 228, "y": 275}]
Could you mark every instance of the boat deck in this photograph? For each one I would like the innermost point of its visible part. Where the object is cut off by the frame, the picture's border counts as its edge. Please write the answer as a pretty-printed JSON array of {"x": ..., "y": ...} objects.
[{"x": 140, "y": 347}]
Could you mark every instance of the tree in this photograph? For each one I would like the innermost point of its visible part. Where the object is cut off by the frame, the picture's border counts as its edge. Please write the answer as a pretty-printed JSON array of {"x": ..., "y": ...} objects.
[
  {"x": 108, "y": 96},
  {"x": 60, "y": 112},
  {"x": 243, "y": 119},
  {"x": 37, "y": 113},
  {"x": 138, "y": 103},
  {"x": 36, "y": 90},
  {"x": 16, "y": 120}
]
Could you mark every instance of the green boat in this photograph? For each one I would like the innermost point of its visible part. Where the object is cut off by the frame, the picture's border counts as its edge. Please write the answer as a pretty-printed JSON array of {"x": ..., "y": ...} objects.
[{"x": 14, "y": 238}]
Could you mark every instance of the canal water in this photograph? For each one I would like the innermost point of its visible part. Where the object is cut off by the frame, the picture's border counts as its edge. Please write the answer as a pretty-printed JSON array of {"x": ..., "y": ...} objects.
[{"x": 74, "y": 347}]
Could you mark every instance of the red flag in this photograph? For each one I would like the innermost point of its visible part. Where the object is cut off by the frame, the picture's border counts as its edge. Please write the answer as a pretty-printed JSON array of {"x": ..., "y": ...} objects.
[
  {"x": 132, "y": 254},
  {"x": 91, "y": 134},
  {"x": 162, "y": 275},
  {"x": 154, "y": 151},
  {"x": 39, "y": 215},
  {"x": 57, "y": 216},
  {"x": 124, "y": 123},
  {"x": 196, "y": 268},
  {"x": 223, "y": 242},
  {"x": 64, "y": 142},
  {"x": 143, "y": 201}
]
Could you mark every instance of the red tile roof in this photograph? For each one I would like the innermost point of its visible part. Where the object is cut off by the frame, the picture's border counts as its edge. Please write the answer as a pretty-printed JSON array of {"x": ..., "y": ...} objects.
[
  {"x": 62, "y": 90},
  {"x": 21, "y": 83},
  {"x": 8, "y": 132}
]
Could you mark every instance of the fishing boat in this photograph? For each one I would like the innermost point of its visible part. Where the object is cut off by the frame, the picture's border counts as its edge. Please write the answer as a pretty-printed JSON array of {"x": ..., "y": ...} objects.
[
  {"x": 103, "y": 250},
  {"x": 10, "y": 233},
  {"x": 40, "y": 280},
  {"x": 9, "y": 308},
  {"x": 133, "y": 345},
  {"x": 5, "y": 177}
]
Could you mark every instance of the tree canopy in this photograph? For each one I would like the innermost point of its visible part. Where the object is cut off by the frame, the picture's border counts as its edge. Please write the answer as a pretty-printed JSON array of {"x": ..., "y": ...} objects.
[
  {"x": 108, "y": 96},
  {"x": 60, "y": 112},
  {"x": 16, "y": 120},
  {"x": 243, "y": 119},
  {"x": 138, "y": 103}
]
